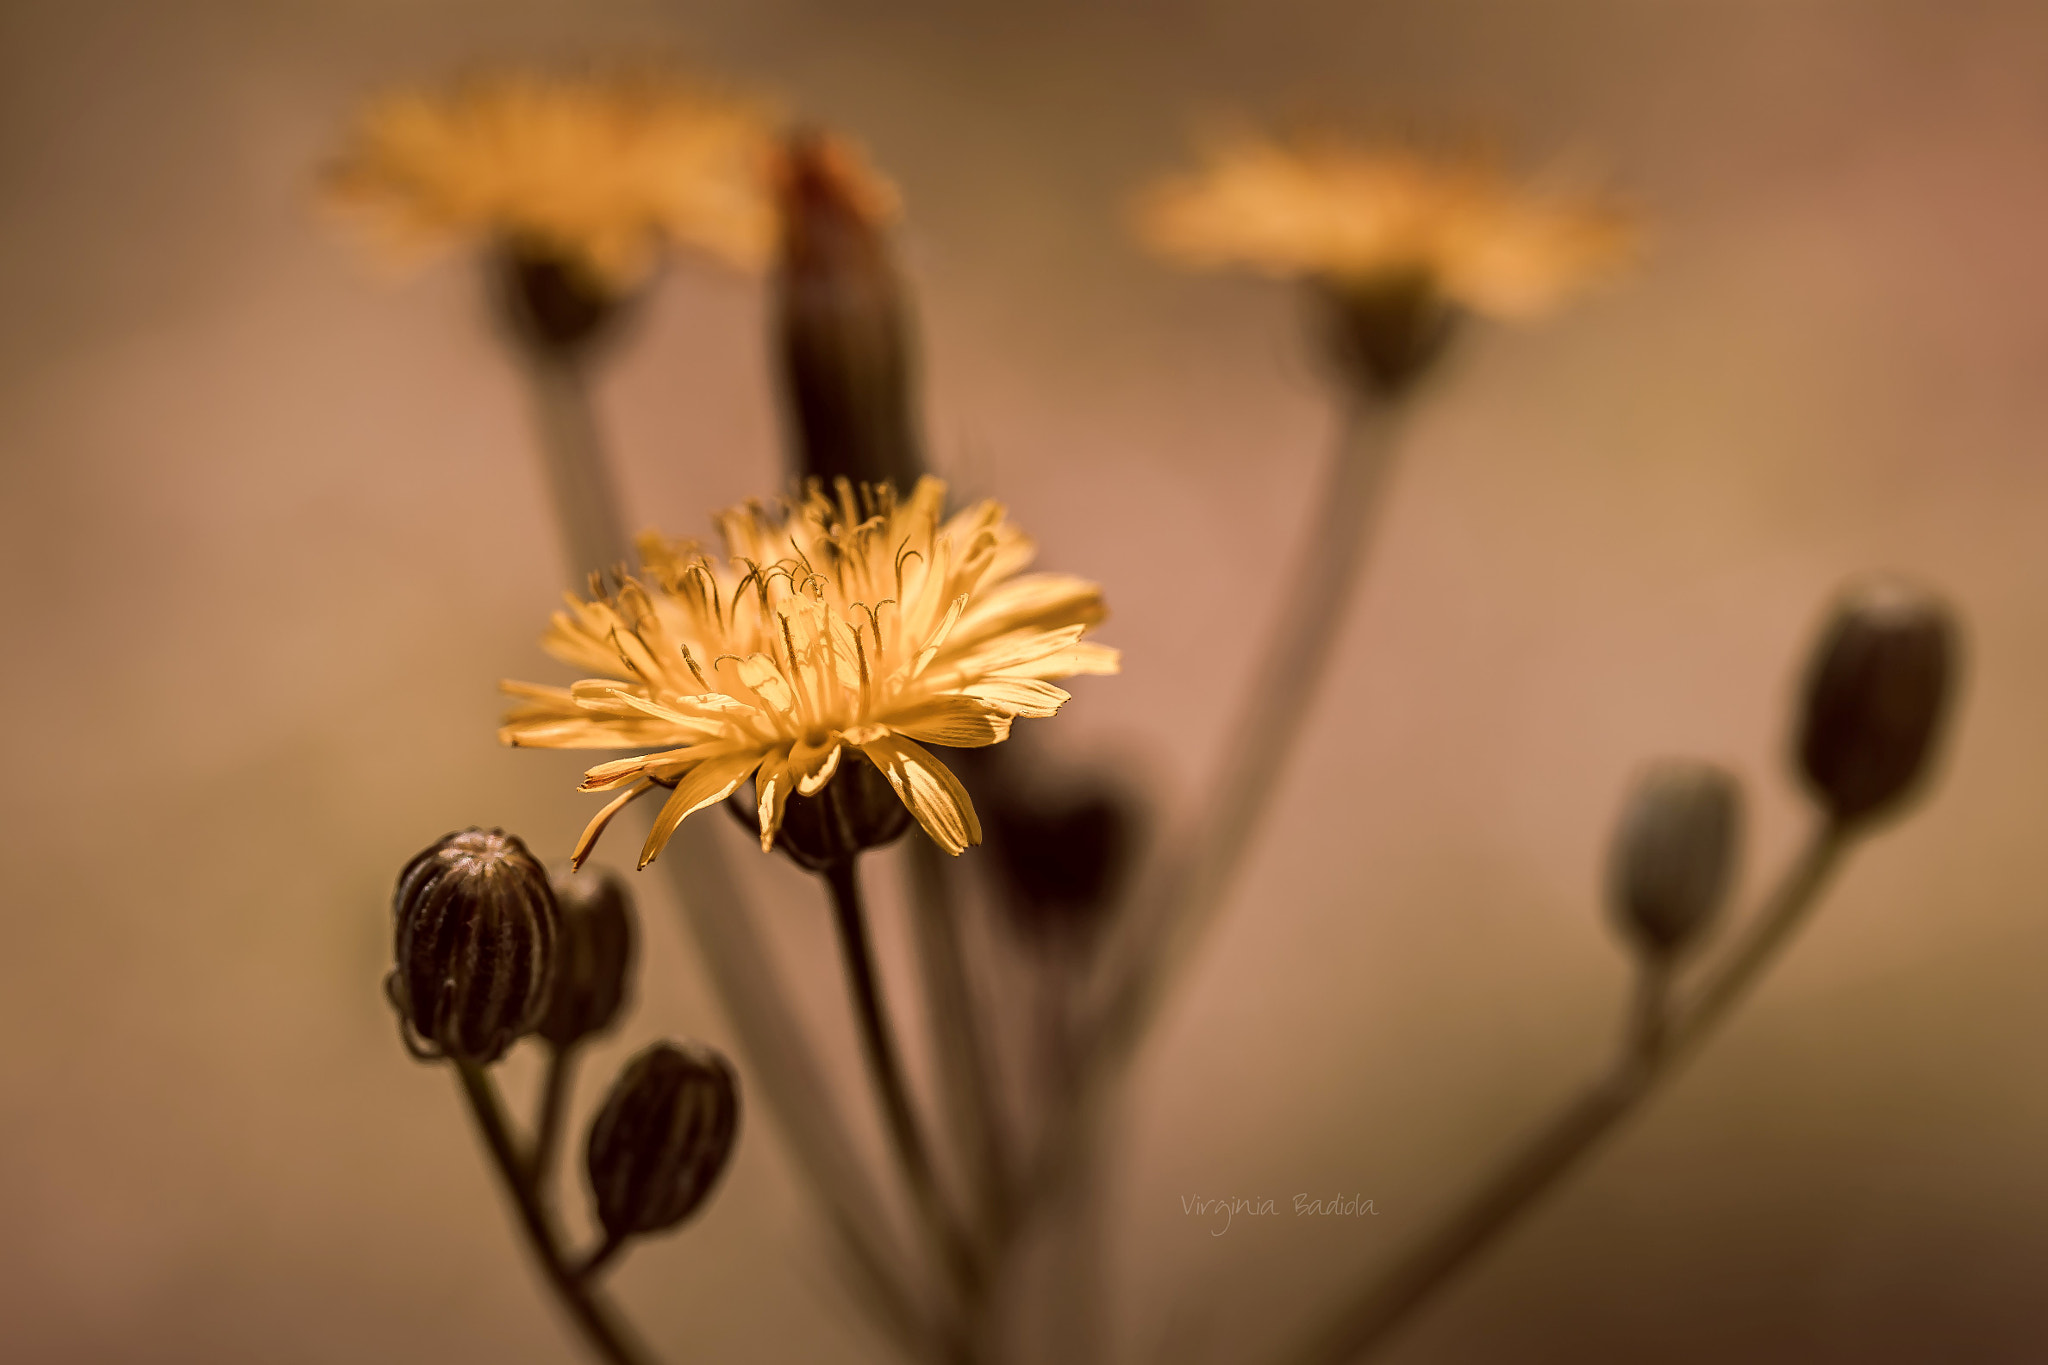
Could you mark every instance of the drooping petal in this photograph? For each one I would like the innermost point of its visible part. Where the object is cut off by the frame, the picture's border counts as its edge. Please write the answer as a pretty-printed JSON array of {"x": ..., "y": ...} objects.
[
  {"x": 588, "y": 839},
  {"x": 771, "y": 785},
  {"x": 929, "y": 789},
  {"x": 712, "y": 780}
]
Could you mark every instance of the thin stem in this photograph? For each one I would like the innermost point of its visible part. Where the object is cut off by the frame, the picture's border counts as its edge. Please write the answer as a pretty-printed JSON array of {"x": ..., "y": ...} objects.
[
  {"x": 885, "y": 1069},
  {"x": 958, "y": 1040},
  {"x": 595, "y": 1317},
  {"x": 580, "y": 481},
  {"x": 1169, "y": 918},
  {"x": 554, "y": 1106},
  {"x": 1556, "y": 1149}
]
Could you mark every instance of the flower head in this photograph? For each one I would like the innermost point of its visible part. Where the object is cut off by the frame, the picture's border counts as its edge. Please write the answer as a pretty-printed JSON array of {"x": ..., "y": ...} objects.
[
  {"x": 599, "y": 172},
  {"x": 846, "y": 627},
  {"x": 1361, "y": 217}
]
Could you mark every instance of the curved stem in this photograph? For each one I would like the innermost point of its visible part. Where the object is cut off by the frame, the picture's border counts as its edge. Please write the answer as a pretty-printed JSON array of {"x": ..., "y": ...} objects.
[
  {"x": 1557, "y": 1148},
  {"x": 593, "y": 1316},
  {"x": 1169, "y": 917},
  {"x": 885, "y": 1069}
]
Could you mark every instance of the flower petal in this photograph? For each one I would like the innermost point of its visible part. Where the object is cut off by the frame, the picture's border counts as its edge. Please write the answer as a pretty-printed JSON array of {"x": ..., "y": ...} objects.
[
  {"x": 929, "y": 789},
  {"x": 956, "y": 722},
  {"x": 712, "y": 780},
  {"x": 588, "y": 839}
]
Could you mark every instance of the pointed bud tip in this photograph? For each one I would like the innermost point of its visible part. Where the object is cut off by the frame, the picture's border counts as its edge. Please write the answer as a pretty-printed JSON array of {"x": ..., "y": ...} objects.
[{"x": 1877, "y": 694}]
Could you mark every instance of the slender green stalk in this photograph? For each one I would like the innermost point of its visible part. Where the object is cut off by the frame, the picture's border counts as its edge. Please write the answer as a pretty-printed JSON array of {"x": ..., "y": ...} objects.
[
  {"x": 958, "y": 1041},
  {"x": 1169, "y": 917},
  {"x": 589, "y": 1310},
  {"x": 1651, "y": 1052},
  {"x": 885, "y": 1069}
]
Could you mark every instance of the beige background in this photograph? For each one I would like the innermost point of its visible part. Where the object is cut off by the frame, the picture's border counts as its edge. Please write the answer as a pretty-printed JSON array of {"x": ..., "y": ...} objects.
[{"x": 273, "y": 530}]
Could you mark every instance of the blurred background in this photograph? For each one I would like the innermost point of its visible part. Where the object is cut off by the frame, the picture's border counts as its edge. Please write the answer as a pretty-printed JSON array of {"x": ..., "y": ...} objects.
[{"x": 276, "y": 528}]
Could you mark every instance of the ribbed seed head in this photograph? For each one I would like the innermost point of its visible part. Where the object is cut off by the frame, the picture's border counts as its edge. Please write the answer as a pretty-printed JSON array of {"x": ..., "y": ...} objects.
[
  {"x": 594, "y": 957},
  {"x": 662, "y": 1139},
  {"x": 1877, "y": 694},
  {"x": 475, "y": 932},
  {"x": 1675, "y": 854}
]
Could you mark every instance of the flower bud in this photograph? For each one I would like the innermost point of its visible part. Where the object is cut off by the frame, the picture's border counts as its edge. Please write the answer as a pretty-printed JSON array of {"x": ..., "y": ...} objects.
[
  {"x": 476, "y": 925},
  {"x": 843, "y": 325},
  {"x": 854, "y": 812},
  {"x": 552, "y": 305},
  {"x": 1877, "y": 691},
  {"x": 1674, "y": 854},
  {"x": 1385, "y": 332},
  {"x": 662, "y": 1139},
  {"x": 1064, "y": 839},
  {"x": 594, "y": 957}
]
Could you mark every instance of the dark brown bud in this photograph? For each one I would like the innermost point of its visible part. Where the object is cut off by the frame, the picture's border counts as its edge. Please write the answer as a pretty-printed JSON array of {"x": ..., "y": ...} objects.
[
  {"x": 1675, "y": 854},
  {"x": 594, "y": 959},
  {"x": 662, "y": 1139},
  {"x": 1065, "y": 840},
  {"x": 1385, "y": 333},
  {"x": 553, "y": 306},
  {"x": 854, "y": 812},
  {"x": 1877, "y": 693},
  {"x": 476, "y": 925},
  {"x": 843, "y": 326}
]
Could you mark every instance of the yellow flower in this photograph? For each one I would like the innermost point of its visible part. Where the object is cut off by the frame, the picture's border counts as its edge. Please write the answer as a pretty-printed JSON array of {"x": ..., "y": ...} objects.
[
  {"x": 1358, "y": 216},
  {"x": 838, "y": 623},
  {"x": 602, "y": 172}
]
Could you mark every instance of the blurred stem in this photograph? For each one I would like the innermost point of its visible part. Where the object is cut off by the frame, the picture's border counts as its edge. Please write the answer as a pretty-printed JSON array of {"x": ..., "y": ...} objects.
[
  {"x": 591, "y": 1312},
  {"x": 1555, "y": 1150},
  {"x": 885, "y": 1069},
  {"x": 1169, "y": 917},
  {"x": 580, "y": 480},
  {"x": 554, "y": 1104},
  {"x": 963, "y": 1052},
  {"x": 785, "y": 1068}
]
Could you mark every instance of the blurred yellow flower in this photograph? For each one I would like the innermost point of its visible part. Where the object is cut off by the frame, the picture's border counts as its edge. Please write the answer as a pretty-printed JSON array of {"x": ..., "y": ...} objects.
[
  {"x": 1357, "y": 216},
  {"x": 601, "y": 172},
  {"x": 842, "y": 622}
]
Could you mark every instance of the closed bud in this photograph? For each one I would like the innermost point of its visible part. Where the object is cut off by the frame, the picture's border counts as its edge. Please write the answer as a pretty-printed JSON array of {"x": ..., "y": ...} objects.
[
  {"x": 1674, "y": 854},
  {"x": 856, "y": 811},
  {"x": 594, "y": 957},
  {"x": 662, "y": 1139},
  {"x": 476, "y": 926},
  {"x": 553, "y": 306},
  {"x": 843, "y": 325},
  {"x": 1384, "y": 332},
  {"x": 1877, "y": 692}
]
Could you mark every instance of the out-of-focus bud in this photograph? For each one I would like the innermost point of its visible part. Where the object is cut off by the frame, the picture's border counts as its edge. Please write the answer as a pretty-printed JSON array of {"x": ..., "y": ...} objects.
[
  {"x": 854, "y": 812},
  {"x": 1877, "y": 692},
  {"x": 1674, "y": 854},
  {"x": 1065, "y": 841},
  {"x": 1385, "y": 332},
  {"x": 843, "y": 324},
  {"x": 553, "y": 307},
  {"x": 662, "y": 1139},
  {"x": 594, "y": 961},
  {"x": 476, "y": 926}
]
